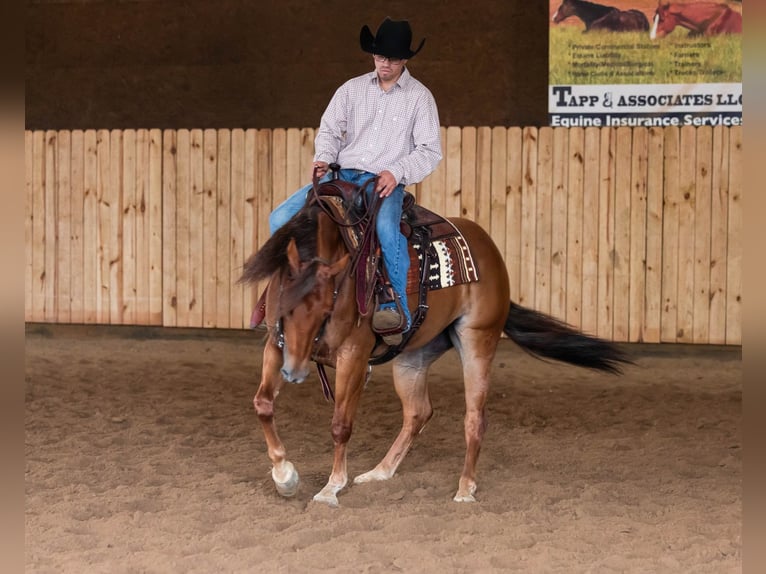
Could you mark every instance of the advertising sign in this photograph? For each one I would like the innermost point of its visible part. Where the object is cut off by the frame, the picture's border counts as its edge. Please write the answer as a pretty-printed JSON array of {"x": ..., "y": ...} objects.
[{"x": 644, "y": 63}]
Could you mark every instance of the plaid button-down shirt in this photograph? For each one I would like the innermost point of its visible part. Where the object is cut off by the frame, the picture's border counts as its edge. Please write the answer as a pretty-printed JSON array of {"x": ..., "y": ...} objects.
[{"x": 366, "y": 128}]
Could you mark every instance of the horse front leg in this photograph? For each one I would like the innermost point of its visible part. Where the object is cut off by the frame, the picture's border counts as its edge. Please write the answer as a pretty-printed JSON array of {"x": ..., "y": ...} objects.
[
  {"x": 349, "y": 382},
  {"x": 283, "y": 472}
]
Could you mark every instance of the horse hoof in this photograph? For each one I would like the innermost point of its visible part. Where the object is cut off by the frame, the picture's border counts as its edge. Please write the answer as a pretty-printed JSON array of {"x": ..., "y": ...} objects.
[
  {"x": 287, "y": 483},
  {"x": 371, "y": 476},
  {"x": 465, "y": 494},
  {"x": 329, "y": 499}
]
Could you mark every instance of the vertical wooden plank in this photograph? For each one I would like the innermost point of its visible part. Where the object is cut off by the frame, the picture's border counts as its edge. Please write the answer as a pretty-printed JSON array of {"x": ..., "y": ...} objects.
[
  {"x": 29, "y": 221},
  {"x": 209, "y": 228},
  {"x": 734, "y": 254},
  {"x": 223, "y": 231},
  {"x": 279, "y": 166},
  {"x": 498, "y": 177},
  {"x": 237, "y": 208},
  {"x": 702, "y": 221},
  {"x": 590, "y": 230},
  {"x": 90, "y": 229},
  {"x": 719, "y": 209},
  {"x": 574, "y": 227},
  {"x": 624, "y": 151},
  {"x": 249, "y": 219},
  {"x": 453, "y": 160},
  {"x": 468, "y": 173},
  {"x": 528, "y": 220},
  {"x": 197, "y": 218},
  {"x": 129, "y": 254},
  {"x": 606, "y": 197},
  {"x": 264, "y": 183},
  {"x": 514, "y": 176},
  {"x": 637, "y": 235},
  {"x": 687, "y": 182},
  {"x": 171, "y": 218},
  {"x": 154, "y": 209},
  {"x": 653, "y": 290},
  {"x": 264, "y": 187},
  {"x": 183, "y": 225},
  {"x": 294, "y": 179},
  {"x": 105, "y": 224},
  {"x": 543, "y": 219},
  {"x": 672, "y": 200},
  {"x": 483, "y": 177},
  {"x": 143, "y": 229},
  {"x": 63, "y": 222},
  {"x": 559, "y": 200},
  {"x": 38, "y": 226},
  {"x": 306, "y": 165},
  {"x": 50, "y": 281},
  {"x": 76, "y": 231},
  {"x": 116, "y": 259}
]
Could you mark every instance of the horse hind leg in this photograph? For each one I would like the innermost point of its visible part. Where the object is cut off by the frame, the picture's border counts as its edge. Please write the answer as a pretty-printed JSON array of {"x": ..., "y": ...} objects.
[
  {"x": 410, "y": 382},
  {"x": 477, "y": 349}
]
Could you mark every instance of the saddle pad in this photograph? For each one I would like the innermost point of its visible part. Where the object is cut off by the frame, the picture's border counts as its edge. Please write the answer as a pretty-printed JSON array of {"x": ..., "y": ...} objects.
[{"x": 450, "y": 263}]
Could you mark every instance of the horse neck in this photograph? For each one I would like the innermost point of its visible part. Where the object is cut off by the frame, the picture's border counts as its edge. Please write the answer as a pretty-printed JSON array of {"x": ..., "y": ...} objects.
[
  {"x": 589, "y": 12},
  {"x": 704, "y": 14}
]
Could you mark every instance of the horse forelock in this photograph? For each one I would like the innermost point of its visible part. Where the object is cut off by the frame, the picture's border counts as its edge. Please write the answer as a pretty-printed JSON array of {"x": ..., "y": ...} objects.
[{"x": 272, "y": 257}]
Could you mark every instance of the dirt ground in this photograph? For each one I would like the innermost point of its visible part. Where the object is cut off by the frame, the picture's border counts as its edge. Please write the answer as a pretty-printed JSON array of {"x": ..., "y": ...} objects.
[{"x": 143, "y": 454}]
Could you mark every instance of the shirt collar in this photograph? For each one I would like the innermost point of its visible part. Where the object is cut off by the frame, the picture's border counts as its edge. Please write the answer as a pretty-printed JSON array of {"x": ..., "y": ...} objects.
[{"x": 402, "y": 82}]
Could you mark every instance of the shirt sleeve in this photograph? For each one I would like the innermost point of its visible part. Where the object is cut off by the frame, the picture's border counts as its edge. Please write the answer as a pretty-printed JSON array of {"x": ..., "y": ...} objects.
[
  {"x": 332, "y": 127},
  {"x": 426, "y": 138}
]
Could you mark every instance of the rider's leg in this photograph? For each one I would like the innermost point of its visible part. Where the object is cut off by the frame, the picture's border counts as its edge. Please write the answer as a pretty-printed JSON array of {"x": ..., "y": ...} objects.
[{"x": 394, "y": 247}]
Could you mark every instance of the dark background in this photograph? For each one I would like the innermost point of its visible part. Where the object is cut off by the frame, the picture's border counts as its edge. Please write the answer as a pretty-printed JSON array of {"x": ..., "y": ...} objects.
[{"x": 268, "y": 64}]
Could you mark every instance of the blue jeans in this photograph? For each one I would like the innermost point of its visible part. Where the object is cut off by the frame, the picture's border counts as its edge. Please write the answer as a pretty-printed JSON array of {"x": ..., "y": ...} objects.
[{"x": 392, "y": 243}]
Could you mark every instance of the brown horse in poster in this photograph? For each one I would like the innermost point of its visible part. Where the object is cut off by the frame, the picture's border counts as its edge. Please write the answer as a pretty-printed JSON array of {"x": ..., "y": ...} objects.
[
  {"x": 700, "y": 18},
  {"x": 601, "y": 17},
  {"x": 312, "y": 314}
]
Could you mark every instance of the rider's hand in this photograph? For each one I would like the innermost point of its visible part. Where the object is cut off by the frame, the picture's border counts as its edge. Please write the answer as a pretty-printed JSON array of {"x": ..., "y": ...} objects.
[
  {"x": 321, "y": 168},
  {"x": 386, "y": 183}
]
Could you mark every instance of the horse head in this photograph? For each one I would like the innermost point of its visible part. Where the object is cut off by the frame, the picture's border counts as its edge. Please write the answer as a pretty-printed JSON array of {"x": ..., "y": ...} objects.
[
  {"x": 308, "y": 288},
  {"x": 564, "y": 11},
  {"x": 663, "y": 22}
]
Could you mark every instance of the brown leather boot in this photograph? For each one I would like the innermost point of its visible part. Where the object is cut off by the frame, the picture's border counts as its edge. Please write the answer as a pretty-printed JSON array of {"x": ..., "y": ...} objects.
[{"x": 388, "y": 319}]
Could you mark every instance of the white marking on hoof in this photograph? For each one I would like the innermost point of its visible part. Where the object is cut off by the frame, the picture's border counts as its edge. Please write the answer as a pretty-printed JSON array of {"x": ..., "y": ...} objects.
[
  {"x": 373, "y": 475},
  {"x": 286, "y": 480},
  {"x": 464, "y": 498},
  {"x": 327, "y": 496},
  {"x": 466, "y": 495}
]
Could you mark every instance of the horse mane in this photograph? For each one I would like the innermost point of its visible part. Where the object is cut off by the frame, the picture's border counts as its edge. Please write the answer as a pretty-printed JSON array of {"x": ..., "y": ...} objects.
[{"x": 272, "y": 257}]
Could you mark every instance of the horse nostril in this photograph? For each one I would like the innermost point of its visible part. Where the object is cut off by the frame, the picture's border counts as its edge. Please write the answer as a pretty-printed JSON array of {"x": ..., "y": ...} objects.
[{"x": 292, "y": 377}]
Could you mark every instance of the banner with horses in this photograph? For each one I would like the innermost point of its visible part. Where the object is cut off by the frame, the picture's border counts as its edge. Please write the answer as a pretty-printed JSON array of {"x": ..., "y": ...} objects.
[{"x": 645, "y": 63}]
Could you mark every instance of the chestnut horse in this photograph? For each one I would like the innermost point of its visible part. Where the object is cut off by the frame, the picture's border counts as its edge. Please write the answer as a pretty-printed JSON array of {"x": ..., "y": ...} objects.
[
  {"x": 312, "y": 315},
  {"x": 700, "y": 18},
  {"x": 601, "y": 17}
]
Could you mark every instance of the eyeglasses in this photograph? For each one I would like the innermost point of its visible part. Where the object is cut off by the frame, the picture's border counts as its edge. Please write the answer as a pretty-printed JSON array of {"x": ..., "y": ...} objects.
[{"x": 394, "y": 61}]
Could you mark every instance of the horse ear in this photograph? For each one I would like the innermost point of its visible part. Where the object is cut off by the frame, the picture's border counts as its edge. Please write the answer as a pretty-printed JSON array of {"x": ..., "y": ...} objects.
[
  {"x": 339, "y": 265},
  {"x": 292, "y": 256}
]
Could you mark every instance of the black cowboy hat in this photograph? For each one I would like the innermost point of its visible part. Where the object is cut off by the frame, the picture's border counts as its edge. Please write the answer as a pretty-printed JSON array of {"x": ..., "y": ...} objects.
[{"x": 392, "y": 39}]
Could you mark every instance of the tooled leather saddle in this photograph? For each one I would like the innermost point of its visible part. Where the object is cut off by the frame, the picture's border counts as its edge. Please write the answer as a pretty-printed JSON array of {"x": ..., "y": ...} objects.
[{"x": 439, "y": 255}]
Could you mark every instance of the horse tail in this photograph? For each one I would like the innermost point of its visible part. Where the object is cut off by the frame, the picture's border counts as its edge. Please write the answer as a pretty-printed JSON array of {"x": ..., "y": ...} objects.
[{"x": 544, "y": 336}]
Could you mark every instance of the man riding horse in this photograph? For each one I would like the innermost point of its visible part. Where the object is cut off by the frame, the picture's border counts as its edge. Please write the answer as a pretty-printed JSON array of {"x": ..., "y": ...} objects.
[{"x": 383, "y": 130}]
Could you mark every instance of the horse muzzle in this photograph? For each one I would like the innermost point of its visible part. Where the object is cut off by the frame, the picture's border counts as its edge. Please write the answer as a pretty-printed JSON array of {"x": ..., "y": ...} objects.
[{"x": 294, "y": 374}]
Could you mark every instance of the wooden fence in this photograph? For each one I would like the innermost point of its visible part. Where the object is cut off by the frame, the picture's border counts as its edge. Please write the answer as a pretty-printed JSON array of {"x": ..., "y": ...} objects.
[{"x": 633, "y": 234}]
